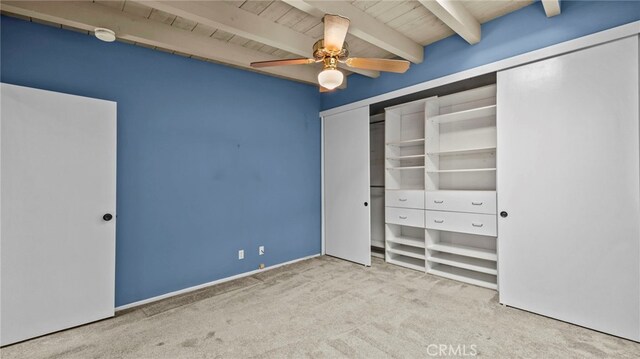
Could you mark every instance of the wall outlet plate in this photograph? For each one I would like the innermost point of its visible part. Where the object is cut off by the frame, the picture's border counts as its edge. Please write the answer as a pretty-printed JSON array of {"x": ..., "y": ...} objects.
[
  {"x": 261, "y": 250},
  {"x": 241, "y": 254},
  {"x": 261, "y": 266}
]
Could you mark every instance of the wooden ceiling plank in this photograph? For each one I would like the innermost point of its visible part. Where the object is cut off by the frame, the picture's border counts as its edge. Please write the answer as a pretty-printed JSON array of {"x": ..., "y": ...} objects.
[
  {"x": 136, "y": 9},
  {"x": 367, "y": 28},
  {"x": 275, "y": 11},
  {"x": 381, "y": 7},
  {"x": 304, "y": 7},
  {"x": 130, "y": 27},
  {"x": 203, "y": 29},
  {"x": 184, "y": 24},
  {"x": 364, "y": 4},
  {"x": 118, "y": 4},
  {"x": 248, "y": 26},
  {"x": 457, "y": 17},
  {"x": 401, "y": 9},
  {"x": 255, "y": 6},
  {"x": 162, "y": 17},
  {"x": 551, "y": 7}
]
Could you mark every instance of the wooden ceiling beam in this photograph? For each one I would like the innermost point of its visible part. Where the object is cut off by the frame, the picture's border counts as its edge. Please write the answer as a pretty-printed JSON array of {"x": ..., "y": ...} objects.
[
  {"x": 457, "y": 17},
  {"x": 88, "y": 16},
  {"x": 232, "y": 19},
  {"x": 551, "y": 7},
  {"x": 365, "y": 27}
]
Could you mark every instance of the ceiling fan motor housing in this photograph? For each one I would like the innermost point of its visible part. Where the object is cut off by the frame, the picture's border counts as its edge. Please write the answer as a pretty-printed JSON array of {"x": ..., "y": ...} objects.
[{"x": 320, "y": 52}]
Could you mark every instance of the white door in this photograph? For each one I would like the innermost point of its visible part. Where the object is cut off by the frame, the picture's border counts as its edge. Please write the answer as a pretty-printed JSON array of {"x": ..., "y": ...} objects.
[
  {"x": 346, "y": 186},
  {"x": 568, "y": 178},
  {"x": 58, "y": 170}
]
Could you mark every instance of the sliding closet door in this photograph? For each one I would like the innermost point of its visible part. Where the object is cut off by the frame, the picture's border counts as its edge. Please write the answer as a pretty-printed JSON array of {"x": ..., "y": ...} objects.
[
  {"x": 346, "y": 186},
  {"x": 58, "y": 202},
  {"x": 568, "y": 188}
]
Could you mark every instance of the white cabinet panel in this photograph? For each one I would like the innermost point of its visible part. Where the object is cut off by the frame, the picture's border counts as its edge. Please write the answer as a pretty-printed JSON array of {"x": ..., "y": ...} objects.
[
  {"x": 472, "y": 223},
  {"x": 568, "y": 159},
  {"x": 405, "y": 216},
  {"x": 346, "y": 186},
  {"x": 404, "y": 199},
  {"x": 58, "y": 181},
  {"x": 462, "y": 201}
]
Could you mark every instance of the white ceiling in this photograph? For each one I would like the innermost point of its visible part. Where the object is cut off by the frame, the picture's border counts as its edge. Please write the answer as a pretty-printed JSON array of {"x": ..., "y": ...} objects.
[{"x": 240, "y": 32}]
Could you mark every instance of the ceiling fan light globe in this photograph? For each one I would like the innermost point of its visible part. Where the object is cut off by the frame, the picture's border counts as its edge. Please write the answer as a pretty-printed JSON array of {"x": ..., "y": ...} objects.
[{"x": 330, "y": 78}]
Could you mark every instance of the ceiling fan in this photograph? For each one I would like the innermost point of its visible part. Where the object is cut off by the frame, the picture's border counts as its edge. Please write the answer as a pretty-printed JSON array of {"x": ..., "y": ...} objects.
[{"x": 331, "y": 50}]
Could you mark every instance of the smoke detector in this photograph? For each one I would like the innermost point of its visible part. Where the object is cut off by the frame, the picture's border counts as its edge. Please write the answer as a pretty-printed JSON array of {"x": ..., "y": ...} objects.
[{"x": 105, "y": 35}]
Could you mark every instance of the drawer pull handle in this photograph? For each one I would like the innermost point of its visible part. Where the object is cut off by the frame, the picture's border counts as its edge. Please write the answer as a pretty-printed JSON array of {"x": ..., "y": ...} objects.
[
  {"x": 436, "y": 201},
  {"x": 476, "y": 203},
  {"x": 439, "y": 220},
  {"x": 477, "y": 224},
  {"x": 403, "y": 217},
  {"x": 402, "y": 199}
]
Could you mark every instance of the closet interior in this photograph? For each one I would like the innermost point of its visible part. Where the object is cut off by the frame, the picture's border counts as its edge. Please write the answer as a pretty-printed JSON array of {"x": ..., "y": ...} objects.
[{"x": 438, "y": 159}]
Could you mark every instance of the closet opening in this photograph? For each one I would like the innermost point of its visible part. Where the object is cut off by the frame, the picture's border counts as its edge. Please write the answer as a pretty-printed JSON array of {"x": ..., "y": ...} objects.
[{"x": 433, "y": 181}]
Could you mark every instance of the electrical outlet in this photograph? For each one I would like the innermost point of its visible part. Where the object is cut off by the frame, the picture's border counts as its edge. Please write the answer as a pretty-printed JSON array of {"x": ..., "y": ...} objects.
[
  {"x": 241, "y": 254},
  {"x": 261, "y": 266},
  {"x": 261, "y": 250}
]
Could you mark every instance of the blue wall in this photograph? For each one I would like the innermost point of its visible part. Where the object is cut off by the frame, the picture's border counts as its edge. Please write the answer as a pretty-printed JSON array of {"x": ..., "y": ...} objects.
[
  {"x": 519, "y": 32},
  {"x": 211, "y": 159}
]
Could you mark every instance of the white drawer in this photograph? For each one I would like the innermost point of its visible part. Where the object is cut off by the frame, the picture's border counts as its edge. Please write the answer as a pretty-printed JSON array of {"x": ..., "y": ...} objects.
[
  {"x": 474, "y": 223},
  {"x": 404, "y": 216},
  {"x": 404, "y": 199},
  {"x": 462, "y": 201}
]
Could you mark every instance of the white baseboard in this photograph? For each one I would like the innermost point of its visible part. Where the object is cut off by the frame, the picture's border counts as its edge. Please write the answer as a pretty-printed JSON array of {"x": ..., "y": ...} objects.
[{"x": 204, "y": 285}]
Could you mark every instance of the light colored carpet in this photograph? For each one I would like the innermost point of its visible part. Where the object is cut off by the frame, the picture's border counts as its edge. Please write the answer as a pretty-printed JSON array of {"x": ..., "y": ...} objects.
[{"x": 328, "y": 308}]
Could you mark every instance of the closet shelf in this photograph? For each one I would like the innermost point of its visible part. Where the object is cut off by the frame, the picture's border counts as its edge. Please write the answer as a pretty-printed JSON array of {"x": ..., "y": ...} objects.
[
  {"x": 407, "y": 241},
  {"x": 407, "y": 143},
  {"x": 407, "y": 157},
  {"x": 377, "y": 243},
  {"x": 474, "y": 264},
  {"x": 406, "y": 168},
  {"x": 466, "y": 276},
  {"x": 479, "y": 253},
  {"x": 408, "y": 262},
  {"x": 465, "y": 151},
  {"x": 472, "y": 114},
  {"x": 463, "y": 170},
  {"x": 407, "y": 252}
]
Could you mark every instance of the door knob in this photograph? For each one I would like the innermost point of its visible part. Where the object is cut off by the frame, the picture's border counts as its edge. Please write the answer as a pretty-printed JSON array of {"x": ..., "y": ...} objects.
[
  {"x": 504, "y": 214},
  {"x": 107, "y": 217},
  {"x": 366, "y": 204}
]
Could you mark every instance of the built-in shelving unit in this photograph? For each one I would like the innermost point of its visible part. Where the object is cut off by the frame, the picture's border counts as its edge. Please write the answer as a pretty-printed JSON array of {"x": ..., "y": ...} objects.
[
  {"x": 405, "y": 173},
  {"x": 408, "y": 241},
  {"x": 406, "y": 157},
  {"x": 464, "y": 151},
  {"x": 463, "y": 170},
  {"x": 440, "y": 162},
  {"x": 466, "y": 251},
  {"x": 460, "y": 183},
  {"x": 464, "y": 275},
  {"x": 465, "y": 115},
  {"x": 470, "y": 263},
  {"x": 407, "y": 143}
]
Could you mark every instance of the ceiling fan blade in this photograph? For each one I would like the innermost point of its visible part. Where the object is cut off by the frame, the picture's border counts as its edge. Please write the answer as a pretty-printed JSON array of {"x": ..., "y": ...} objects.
[
  {"x": 398, "y": 66},
  {"x": 335, "y": 30},
  {"x": 302, "y": 61}
]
